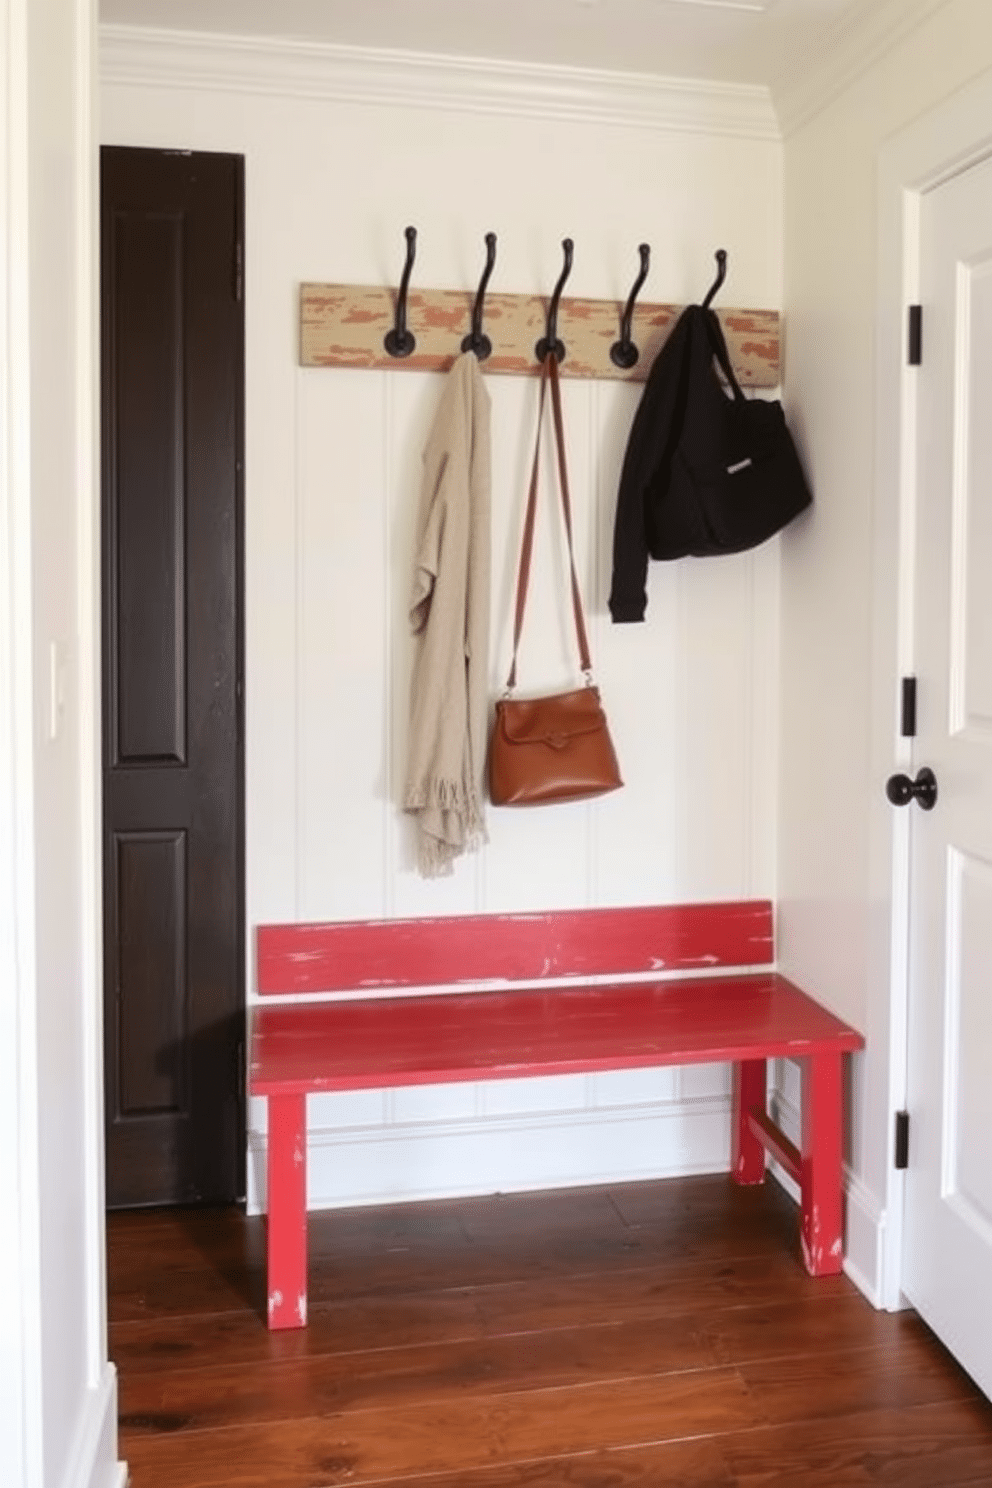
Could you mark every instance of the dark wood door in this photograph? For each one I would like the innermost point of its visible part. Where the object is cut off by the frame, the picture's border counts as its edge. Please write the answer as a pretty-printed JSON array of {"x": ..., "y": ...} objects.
[{"x": 172, "y": 441}]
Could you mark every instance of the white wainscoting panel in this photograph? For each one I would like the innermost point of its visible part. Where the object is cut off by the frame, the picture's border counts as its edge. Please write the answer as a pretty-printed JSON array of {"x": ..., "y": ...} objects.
[{"x": 554, "y": 1137}]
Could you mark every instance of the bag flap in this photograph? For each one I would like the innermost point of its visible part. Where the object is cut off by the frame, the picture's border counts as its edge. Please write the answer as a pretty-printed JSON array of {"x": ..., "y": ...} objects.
[{"x": 551, "y": 720}]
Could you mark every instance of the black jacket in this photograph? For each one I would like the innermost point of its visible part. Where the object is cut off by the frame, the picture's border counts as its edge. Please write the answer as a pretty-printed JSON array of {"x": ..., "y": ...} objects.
[{"x": 706, "y": 470}]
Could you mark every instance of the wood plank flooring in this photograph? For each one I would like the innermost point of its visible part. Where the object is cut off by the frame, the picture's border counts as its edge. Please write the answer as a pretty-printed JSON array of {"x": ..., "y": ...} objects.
[{"x": 646, "y": 1334}]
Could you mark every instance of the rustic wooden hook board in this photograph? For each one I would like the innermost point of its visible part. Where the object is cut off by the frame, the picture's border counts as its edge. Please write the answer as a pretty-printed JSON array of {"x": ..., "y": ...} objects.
[{"x": 344, "y": 325}]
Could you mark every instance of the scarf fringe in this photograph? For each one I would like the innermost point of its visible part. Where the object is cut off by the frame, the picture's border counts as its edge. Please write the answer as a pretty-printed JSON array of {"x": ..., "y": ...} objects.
[{"x": 448, "y": 799}]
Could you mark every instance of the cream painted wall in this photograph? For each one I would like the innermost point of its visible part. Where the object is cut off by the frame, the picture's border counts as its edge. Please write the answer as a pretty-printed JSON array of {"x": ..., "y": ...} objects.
[
  {"x": 332, "y": 476},
  {"x": 58, "y": 1419},
  {"x": 839, "y": 590}
]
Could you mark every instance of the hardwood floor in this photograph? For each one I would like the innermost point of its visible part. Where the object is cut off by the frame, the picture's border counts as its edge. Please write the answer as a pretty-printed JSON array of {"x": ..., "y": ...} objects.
[{"x": 648, "y": 1334}]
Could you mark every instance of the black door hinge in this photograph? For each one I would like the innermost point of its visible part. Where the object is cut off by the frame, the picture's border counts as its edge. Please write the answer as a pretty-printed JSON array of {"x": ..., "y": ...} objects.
[
  {"x": 240, "y": 1055},
  {"x": 239, "y": 272},
  {"x": 907, "y": 726},
  {"x": 902, "y": 1139},
  {"x": 915, "y": 339}
]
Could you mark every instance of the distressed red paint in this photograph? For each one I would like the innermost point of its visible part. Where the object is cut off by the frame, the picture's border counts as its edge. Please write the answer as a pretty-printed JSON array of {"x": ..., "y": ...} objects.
[
  {"x": 341, "y": 322},
  {"x": 352, "y": 955}
]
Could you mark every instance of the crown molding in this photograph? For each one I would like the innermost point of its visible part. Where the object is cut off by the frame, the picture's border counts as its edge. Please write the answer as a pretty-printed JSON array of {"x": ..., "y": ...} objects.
[
  {"x": 143, "y": 57},
  {"x": 852, "y": 45}
]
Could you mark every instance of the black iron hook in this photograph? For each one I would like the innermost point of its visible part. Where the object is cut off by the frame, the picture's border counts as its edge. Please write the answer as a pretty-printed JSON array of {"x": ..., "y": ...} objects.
[
  {"x": 624, "y": 353},
  {"x": 399, "y": 342},
  {"x": 549, "y": 341},
  {"x": 721, "y": 274},
  {"x": 475, "y": 340}
]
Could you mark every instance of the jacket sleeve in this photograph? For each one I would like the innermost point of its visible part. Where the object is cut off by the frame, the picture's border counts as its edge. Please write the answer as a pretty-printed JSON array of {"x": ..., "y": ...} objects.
[
  {"x": 643, "y": 479},
  {"x": 628, "y": 594}
]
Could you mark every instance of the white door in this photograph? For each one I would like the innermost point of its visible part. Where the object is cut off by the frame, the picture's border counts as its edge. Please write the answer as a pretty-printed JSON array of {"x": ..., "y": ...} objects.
[{"x": 947, "y": 1263}]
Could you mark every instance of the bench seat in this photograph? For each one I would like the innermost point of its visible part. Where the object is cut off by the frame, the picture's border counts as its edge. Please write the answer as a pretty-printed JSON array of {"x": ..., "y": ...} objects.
[
  {"x": 361, "y": 1043},
  {"x": 444, "y": 1038}
]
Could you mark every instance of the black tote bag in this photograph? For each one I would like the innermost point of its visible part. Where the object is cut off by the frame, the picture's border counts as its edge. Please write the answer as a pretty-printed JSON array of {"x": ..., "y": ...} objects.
[
  {"x": 736, "y": 477},
  {"x": 706, "y": 470}
]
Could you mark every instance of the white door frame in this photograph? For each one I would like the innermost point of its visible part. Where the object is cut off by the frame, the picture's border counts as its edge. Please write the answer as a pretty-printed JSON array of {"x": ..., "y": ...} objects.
[{"x": 941, "y": 144}]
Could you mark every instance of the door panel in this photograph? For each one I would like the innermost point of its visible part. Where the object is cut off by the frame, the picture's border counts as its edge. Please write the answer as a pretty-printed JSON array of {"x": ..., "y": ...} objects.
[
  {"x": 152, "y": 1032},
  {"x": 146, "y": 251},
  {"x": 172, "y": 379},
  {"x": 947, "y": 1270}
]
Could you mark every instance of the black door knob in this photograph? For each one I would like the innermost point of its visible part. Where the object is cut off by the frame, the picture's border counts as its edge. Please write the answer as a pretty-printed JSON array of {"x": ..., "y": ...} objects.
[{"x": 901, "y": 790}]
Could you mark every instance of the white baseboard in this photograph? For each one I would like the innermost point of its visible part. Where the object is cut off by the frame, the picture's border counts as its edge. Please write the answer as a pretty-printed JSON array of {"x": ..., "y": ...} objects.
[
  {"x": 93, "y": 1459},
  {"x": 506, "y": 1154},
  {"x": 864, "y": 1234}
]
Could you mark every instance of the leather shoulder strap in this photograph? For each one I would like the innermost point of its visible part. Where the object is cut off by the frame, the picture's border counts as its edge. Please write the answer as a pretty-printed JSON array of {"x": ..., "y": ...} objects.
[
  {"x": 549, "y": 373},
  {"x": 566, "y": 506}
]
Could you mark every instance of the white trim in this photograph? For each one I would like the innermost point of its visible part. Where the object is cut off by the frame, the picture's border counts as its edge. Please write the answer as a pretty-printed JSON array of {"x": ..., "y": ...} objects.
[
  {"x": 155, "y": 57},
  {"x": 939, "y": 145},
  {"x": 13, "y": 1395},
  {"x": 150, "y": 58},
  {"x": 91, "y": 1461},
  {"x": 865, "y": 1239},
  {"x": 89, "y": 680},
  {"x": 415, "y": 1161},
  {"x": 851, "y": 48},
  {"x": 21, "y": 1355}
]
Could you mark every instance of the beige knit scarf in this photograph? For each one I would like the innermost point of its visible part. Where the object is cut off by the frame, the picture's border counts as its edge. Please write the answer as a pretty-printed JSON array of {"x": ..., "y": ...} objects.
[{"x": 449, "y": 615}]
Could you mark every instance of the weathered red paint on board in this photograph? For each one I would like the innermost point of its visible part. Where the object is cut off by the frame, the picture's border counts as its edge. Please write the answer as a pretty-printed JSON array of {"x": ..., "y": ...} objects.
[
  {"x": 367, "y": 954},
  {"x": 748, "y": 1091},
  {"x": 287, "y": 1206},
  {"x": 344, "y": 325},
  {"x": 370, "y": 1044},
  {"x": 822, "y": 1226}
]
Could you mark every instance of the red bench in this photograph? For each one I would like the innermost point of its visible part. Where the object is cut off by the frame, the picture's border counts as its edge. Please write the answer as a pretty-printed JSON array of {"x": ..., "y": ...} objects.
[{"x": 519, "y": 1027}]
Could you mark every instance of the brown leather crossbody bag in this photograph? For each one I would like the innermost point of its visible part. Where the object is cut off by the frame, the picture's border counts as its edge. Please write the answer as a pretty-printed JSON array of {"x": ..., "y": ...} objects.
[{"x": 558, "y": 747}]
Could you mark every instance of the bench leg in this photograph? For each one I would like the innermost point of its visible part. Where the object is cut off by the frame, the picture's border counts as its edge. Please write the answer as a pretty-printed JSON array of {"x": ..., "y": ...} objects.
[
  {"x": 287, "y": 1221},
  {"x": 747, "y": 1163},
  {"x": 822, "y": 1119}
]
